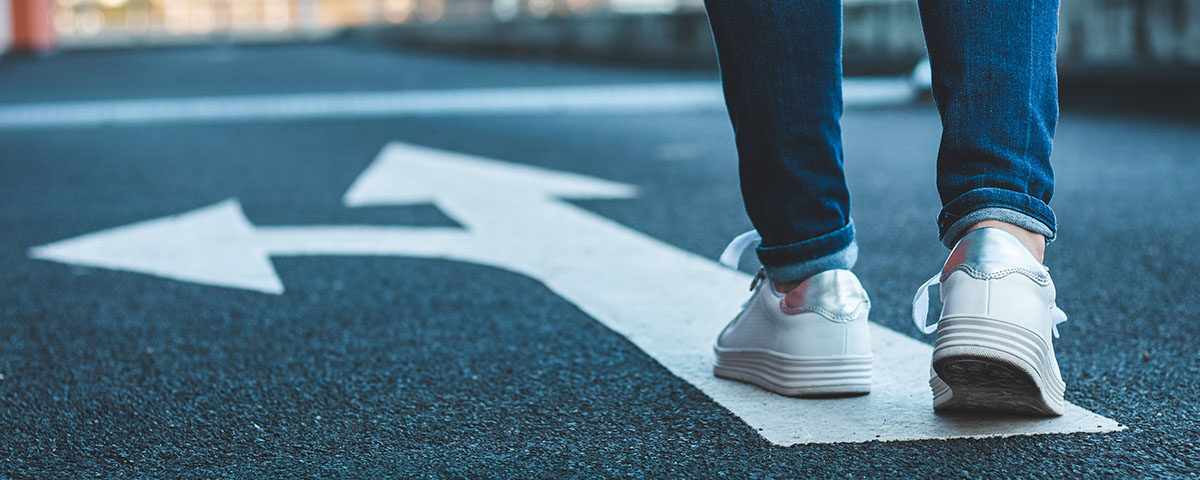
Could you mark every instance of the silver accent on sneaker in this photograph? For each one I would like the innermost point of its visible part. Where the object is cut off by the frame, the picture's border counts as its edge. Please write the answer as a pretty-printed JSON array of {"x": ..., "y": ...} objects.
[
  {"x": 833, "y": 294},
  {"x": 989, "y": 253}
]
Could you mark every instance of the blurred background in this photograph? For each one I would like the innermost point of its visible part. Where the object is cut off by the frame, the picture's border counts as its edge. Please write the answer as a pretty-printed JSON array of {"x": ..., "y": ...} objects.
[
  {"x": 1123, "y": 40},
  {"x": 89, "y": 23},
  {"x": 78, "y": 20}
]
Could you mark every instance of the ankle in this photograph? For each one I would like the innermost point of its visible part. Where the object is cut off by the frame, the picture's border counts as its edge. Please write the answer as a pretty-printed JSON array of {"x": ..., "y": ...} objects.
[
  {"x": 1033, "y": 241},
  {"x": 785, "y": 288}
]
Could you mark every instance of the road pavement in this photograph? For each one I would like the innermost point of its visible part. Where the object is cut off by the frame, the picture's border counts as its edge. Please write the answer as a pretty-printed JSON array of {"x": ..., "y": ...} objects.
[{"x": 368, "y": 366}]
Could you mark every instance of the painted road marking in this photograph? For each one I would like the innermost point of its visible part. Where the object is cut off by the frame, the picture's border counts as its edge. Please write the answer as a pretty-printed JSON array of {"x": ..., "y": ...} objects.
[
  {"x": 514, "y": 219},
  {"x": 600, "y": 99}
]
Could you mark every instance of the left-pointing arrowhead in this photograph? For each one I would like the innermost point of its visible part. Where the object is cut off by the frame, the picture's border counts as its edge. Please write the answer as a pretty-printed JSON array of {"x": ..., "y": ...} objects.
[{"x": 214, "y": 245}]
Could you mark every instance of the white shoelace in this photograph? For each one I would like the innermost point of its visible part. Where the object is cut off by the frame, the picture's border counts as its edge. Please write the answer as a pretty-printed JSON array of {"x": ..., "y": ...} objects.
[
  {"x": 920, "y": 309},
  {"x": 732, "y": 256}
]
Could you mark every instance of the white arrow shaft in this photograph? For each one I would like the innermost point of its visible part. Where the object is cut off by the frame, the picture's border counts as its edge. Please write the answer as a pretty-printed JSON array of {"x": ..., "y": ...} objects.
[{"x": 361, "y": 240}]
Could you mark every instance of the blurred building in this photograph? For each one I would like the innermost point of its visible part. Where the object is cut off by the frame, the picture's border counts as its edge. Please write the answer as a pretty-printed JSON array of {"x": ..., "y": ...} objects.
[
  {"x": 1138, "y": 37},
  {"x": 76, "y": 21}
]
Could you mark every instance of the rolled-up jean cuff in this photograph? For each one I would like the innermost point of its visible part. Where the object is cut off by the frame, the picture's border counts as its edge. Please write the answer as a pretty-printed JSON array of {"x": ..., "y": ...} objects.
[
  {"x": 997, "y": 204},
  {"x": 798, "y": 261}
]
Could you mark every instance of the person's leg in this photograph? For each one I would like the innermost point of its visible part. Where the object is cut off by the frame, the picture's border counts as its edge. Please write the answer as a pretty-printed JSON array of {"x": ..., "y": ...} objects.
[
  {"x": 996, "y": 88},
  {"x": 781, "y": 66},
  {"x": 781, "y": 69}
]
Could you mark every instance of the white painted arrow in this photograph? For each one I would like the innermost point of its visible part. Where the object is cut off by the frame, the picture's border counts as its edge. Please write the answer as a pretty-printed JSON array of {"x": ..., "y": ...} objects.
[
  {"x": 668, "y": 302},
  {"x": 216, "y": 245}
]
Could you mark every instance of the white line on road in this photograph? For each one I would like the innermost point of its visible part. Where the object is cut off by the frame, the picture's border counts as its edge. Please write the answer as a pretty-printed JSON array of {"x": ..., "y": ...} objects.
[
  {"x": 668, "y": 302},
  {"x": 599, "y": 99}
]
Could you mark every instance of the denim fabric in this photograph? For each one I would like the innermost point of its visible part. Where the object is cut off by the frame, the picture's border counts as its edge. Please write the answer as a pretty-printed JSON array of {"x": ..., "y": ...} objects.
[
  {"x": 994, "y": 84},
  {"x": 780, "y": 265},
  {"x": 996, "y": 88}
]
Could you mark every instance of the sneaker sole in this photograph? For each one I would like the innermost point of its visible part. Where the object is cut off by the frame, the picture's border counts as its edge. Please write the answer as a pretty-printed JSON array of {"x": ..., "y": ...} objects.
[
  {"x": 984, "y": 364},
  {"x": 794, "y": 376}
]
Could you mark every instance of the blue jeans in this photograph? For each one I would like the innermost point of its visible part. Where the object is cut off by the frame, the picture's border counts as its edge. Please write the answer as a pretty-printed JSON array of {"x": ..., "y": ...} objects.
[{"x": 994, "y": 83}]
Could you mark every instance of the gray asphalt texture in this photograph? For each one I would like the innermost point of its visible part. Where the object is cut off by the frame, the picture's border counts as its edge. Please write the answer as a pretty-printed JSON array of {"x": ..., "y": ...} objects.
[{"x": 395, "y": 367}]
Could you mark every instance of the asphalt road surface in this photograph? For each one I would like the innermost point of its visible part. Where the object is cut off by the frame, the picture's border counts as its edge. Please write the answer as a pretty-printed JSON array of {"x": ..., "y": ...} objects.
[{"x": 374, "y": 366}]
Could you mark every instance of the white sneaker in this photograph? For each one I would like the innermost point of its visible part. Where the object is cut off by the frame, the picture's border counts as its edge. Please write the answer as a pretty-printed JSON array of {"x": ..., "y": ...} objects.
[
  {"x": 994, "y": 349},
  {"x": 812, "y": 341}
]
